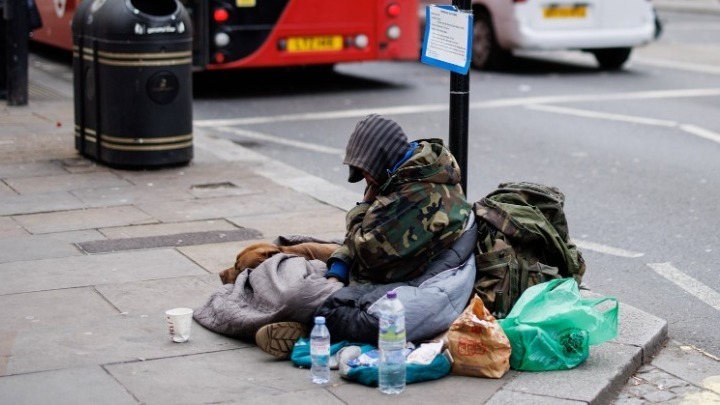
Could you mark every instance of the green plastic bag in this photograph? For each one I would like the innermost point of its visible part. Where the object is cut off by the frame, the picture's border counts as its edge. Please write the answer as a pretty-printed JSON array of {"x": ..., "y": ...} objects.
[{"x": 551, "y": 327}]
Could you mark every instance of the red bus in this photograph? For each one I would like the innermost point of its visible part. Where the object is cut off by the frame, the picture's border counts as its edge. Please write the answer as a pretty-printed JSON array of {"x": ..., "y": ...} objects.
[{"x": 234, "y": 34}]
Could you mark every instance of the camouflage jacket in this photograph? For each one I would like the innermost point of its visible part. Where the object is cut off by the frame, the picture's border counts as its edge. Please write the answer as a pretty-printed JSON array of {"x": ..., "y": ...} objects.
[{"x": 419, "y": 211}]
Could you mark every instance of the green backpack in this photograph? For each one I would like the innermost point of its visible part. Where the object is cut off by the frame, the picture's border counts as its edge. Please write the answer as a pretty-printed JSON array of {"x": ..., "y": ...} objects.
[{"x": 522, "y": 241}]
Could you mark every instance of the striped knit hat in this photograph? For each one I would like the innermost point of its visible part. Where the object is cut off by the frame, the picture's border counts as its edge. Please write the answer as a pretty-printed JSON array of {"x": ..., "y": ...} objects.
[{"x": 375, "y": 146}]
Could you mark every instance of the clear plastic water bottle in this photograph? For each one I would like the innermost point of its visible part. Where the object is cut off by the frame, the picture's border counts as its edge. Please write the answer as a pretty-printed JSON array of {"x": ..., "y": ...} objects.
[
  {"x": 320, "y": 352},
  {"x": 391, "y": 342}
]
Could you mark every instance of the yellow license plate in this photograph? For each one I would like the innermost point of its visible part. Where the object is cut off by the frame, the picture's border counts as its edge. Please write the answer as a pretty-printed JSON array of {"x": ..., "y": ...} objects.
[
  {"x": 312, "y": 44},
  {"x": 579, "y": 11}
]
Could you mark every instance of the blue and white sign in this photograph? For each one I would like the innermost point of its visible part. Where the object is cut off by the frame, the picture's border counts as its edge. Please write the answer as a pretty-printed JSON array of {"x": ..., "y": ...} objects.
[{"x": 448, "y": 38}]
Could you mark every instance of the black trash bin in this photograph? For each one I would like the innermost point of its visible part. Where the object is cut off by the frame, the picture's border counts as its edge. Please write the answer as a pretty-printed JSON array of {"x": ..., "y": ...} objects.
[{"x": 133, "y": 82}]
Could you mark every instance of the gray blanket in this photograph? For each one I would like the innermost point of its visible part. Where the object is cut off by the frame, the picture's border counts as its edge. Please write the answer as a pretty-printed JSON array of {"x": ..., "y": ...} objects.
[{"x": 282, "y": 288}]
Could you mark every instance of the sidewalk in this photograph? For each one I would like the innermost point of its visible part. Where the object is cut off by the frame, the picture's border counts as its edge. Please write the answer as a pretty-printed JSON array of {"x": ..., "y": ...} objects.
[{"x": 83, "y": 306}]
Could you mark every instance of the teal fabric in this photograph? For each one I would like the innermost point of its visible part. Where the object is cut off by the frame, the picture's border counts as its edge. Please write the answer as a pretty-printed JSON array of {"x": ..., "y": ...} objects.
[
  {"x": 300, "y": 355},
  {"x": 414, "y": 373},
  {"x": 368, "y": 375}
]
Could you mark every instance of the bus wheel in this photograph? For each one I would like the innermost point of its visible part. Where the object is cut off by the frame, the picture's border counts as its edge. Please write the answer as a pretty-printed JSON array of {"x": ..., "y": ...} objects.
[
  {"x": 612, "y": 58},
  {"x": 486, "y": 52}
]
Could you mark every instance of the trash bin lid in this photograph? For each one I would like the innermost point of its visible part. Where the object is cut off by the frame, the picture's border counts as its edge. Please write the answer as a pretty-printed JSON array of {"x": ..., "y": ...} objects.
[{"x": 138, "y": 20}]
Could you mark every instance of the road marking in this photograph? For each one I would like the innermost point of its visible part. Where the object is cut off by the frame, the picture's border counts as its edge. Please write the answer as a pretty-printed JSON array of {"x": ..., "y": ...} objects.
[
  {"x": 671, "y": 64},
  {"x": 687, "y": 283},
  {"x": 692, "y": 129},
  {"x": 637, "y": 95},
  {"x": 276, "y": 139},
  {"x": 327, "y": 115},
  {"x": 609, "y": 250},
  {"x": 701, "y": 132},
  {"x": 605, "y": 116},
  {"x": 689, "y": 128},
  {"x": 429, "y": 108}
]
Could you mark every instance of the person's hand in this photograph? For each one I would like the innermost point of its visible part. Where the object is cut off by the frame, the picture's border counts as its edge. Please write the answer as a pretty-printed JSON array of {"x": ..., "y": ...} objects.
[
  {"x": 335, "y": 279},
  {"x": 370, "y": 193}
]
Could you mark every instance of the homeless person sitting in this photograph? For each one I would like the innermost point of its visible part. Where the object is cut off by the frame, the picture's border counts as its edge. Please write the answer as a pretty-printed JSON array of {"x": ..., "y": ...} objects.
[{"x": 413, "y": 232}]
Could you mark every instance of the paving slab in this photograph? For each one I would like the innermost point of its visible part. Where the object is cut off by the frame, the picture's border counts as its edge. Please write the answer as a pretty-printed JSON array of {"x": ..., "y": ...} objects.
[
  {"x": 9, "y": 228},
  {"x": 595, "y": 381},
  {"x": 75, "y": 237},
  {"x": 224, "y": 188},
  {"x": 42, "y": 145},
  {"x": 82, "y": 271},
  {"x": 7, "y": 341},
  {"x": 679, "y": 374},
  {"x": 46, "y": 202},
  {"x": 514, "y": 398},
  {"x": 215, "y": 257},
  {"x": 113, "y": 339},
  {"x": 448, "y": 390},
  {"x": 65, "y": 182},
  {"x": 73, "y": 220},
  {"x": 59, "y": 387},
  {"x": 195, "y": 174},
  {"x": 156, "y": 296},
  {"x": 33, "y": 247},
  {"x": 6, "y": 191},
  {"x": 234, "y": 376},
  {"x": 128, "y": 195},
  {"x": 224, "y": 207},
  {"x": 310, "y": 396},
  {"x": 690, "y": 364},
  {"x": 213, "y": 147},
  {"x": 251, "y": 376},
  {"x": 45, "y": 310},
  {"x": 324, "y": 220},
  {"x": 31, "y": 169},
  {"x": 219, "y": 256}
]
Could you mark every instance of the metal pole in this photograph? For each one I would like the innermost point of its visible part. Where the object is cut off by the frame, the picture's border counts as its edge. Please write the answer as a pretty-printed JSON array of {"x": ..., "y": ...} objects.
[
  {"x": 17, "y": 33},
  {"x": 4, "y": 15},
  {"x": 459, "y": 110}
]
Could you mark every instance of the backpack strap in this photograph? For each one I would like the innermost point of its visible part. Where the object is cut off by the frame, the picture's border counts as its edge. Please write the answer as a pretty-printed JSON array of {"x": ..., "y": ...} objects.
[{"x": 486, "y": 235}]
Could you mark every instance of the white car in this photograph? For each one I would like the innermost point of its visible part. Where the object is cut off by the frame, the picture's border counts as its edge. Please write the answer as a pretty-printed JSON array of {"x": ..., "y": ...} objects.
[{"x": 608, "y": 29}]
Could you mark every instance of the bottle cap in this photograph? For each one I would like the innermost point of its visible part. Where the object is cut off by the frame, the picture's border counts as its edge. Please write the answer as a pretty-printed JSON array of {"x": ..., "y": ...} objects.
[
  {"x": 319, "y": 320},
  {"x": 391, "y": 294}
]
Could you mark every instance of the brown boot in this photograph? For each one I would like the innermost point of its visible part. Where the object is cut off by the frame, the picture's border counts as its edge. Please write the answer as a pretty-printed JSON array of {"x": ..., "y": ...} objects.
[{"x": 279, "y": 338}]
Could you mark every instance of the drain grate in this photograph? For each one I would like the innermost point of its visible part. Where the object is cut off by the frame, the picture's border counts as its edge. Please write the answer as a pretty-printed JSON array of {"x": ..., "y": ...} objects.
[
  {"x": 175, "y": 240},
  {"x": 214, "y": 186}
]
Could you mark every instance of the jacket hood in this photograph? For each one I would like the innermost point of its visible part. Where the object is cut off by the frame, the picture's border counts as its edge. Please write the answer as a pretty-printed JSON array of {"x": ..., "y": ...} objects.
[{"x": 432, "y": 162}]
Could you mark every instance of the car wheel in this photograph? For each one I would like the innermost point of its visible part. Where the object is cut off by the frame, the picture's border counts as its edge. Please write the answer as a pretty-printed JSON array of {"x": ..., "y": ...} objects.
[
  {"x": 486, "y": 52},
  {"x": 612, "y": 58}
]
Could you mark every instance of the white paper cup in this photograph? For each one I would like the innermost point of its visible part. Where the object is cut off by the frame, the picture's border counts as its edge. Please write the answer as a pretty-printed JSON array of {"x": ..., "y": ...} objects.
[{"x": 179, "y": 321}]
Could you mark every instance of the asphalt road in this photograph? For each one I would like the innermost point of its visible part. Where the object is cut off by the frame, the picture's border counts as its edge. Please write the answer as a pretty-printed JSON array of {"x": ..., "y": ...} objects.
[{"x": 636, "y": 151}]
